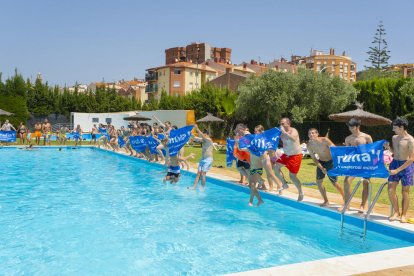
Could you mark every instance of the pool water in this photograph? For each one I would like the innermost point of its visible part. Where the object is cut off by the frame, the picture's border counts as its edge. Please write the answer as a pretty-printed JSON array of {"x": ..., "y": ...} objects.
[{"x": 87, "y": 211}]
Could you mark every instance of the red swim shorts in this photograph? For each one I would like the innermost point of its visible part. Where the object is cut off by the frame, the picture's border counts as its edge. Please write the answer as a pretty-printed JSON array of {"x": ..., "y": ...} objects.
[{"x": 291, "y": 162}]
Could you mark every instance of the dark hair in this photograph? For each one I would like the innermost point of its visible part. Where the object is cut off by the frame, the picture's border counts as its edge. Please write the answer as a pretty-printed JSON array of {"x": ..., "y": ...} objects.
[
  {"x": 205, "y": 131},
  {"x": 400, "y": 122},
  {"x": 353, "y": 122},
  {"x": 259, "y": 128},
  {"x": 174, "y": 127}
]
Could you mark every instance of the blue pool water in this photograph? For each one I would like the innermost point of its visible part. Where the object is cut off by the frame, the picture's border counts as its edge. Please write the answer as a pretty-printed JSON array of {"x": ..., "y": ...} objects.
[{"x": 86, "y": 211}]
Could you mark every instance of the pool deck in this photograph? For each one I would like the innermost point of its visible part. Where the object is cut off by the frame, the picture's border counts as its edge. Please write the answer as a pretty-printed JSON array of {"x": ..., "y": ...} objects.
[{"x": 388, "y": 262}]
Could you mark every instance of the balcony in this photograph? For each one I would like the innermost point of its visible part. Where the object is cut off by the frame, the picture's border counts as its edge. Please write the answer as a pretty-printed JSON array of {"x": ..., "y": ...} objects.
[
  {"x": 151, "y": 88},
  {"x": 151, "y": 76}
]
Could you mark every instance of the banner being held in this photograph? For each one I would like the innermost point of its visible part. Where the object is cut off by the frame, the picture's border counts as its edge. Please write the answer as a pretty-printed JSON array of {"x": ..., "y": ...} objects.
[
  {"x": 138, "y": 143},
  {"x": 7, "y": 136},
  {"x": 178, "y": 138},
  {"x": 259, "y": 143},
  {"x": 229, "y": 152},
  {"x": 360, "y": 161},
  {"x": 121, "y": 142},
  {"x": 152, "y": 144},
  {"x": 104, "y": 132}
]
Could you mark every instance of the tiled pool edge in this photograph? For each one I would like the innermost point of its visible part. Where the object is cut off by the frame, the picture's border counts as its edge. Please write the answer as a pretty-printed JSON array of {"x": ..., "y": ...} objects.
[{"x": 345, "y": 265}]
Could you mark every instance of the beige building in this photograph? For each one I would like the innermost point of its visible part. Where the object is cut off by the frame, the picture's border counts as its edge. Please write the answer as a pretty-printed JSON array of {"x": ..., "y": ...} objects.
[
  {"x": 177, "y": 79},
  {"x": 341, "y": 66}
]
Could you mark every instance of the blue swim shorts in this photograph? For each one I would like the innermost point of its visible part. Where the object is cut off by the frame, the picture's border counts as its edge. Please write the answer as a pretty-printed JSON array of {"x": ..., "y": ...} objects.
[
  {"x": 406, "y": 175},
  {"x": 205, "y": 164}
]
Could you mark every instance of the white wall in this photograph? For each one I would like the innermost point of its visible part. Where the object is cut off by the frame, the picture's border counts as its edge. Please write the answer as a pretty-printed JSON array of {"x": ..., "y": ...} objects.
[{"x": 176, "y": 117}]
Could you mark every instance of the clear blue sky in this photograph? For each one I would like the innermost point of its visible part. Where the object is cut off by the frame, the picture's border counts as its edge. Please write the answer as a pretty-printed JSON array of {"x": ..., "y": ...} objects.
[{"x": 90, "y": 40}]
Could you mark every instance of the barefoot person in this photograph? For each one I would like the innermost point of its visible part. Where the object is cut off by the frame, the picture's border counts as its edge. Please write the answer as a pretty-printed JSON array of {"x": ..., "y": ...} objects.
[
  {"x": 292, "y": 156},
  {"x": 320, "y": 146},
  {"x": 355, "y": 139},
  {"x": 47, "y": 132},
  {"x": 22, "y": 131},
  {"x": 38, "y": 132},
  {"x": 206, "y": 156},
  {"x": 401, "y": 168}
]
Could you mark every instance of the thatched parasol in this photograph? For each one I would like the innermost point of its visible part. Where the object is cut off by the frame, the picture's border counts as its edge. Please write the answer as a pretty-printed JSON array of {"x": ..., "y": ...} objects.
[
  {"x": 137, "y": 117},
  {"x": 367, "y": 118},
  {"x": 210, "y": 119},
  {"x": 4, "y": 112}
]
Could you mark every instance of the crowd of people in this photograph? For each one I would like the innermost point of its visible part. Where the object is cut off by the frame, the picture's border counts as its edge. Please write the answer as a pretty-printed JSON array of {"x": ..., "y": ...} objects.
[{"x": 251, "y": 166}]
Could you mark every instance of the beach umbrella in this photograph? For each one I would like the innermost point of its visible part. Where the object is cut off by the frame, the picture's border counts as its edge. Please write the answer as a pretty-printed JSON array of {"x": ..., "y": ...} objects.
[
  {"x": 367, "y": 118},
  {"x": 4, "y": 112},
  {"x": 210, "y": 119},
  {"x": 137, "y": 117}
]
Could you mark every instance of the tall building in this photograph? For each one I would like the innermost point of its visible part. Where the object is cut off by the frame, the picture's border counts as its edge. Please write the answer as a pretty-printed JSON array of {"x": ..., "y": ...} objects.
[
  {"x": 197, "y": 53},
  {"x": 341, "y": 66},
  {"x": 177, "y": 79},
  {"x": 406, "y": 69}
]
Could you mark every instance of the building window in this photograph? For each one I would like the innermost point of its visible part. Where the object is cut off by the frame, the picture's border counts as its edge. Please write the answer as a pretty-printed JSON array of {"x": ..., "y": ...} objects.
[
  {"x": 177, "y": 71},
  {"x": 176, "y": 84},
  {"x": 108, "y": 120},
  {"x": 196, "y": 74},
  {"x": 95, "y": 120},
  {"x": 191, "y": 73}
]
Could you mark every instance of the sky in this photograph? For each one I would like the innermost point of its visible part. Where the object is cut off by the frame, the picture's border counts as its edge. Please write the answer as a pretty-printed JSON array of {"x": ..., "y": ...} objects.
[{"x": 86, "y": 41}]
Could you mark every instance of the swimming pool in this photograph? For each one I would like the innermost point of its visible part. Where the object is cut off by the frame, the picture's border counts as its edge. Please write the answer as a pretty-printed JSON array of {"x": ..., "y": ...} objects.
[{"x": 87, "y": 211}]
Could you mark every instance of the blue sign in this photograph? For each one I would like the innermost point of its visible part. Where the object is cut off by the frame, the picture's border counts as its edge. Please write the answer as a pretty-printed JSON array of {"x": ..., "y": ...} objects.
[
  {"x": 257, "y": 144},
  {"x": 76, "y": 135},
  {"x": 121, "y": 142},
  {"x": 178, "y": 138},
  {"x": 152, "y": 144},
  {"x": 7, "y": 136},
  {"x": 359, "y": 161},
  {"x": 104, "y": 132},
  {"x": 138, "y": 143},
  {"x": 229, "y": 152}
]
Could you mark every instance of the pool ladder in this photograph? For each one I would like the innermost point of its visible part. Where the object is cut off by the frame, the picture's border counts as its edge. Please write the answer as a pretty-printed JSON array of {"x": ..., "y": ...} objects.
[{"x": 371, "y": 203}]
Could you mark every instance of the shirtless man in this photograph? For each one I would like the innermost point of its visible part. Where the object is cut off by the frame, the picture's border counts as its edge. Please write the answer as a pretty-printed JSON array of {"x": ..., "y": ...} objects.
[
  {"x": 93, "y": 135},
  {"x": 206, "y": 156},
  {"x": 38, "y": 132},
  {"x": 320, "y": 146},
  {"x": 292, "y": 156},
  {"x": 47, "y": 132},
  {"x": 401, "y": 168},
  {"x": 355, "y": 139},
  {"x": 77, "y": 135},
  {"x": 255, "y": 174}
]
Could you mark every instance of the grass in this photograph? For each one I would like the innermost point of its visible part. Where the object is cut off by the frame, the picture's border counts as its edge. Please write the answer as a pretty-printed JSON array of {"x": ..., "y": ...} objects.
[{"x": 306, "y": 174}]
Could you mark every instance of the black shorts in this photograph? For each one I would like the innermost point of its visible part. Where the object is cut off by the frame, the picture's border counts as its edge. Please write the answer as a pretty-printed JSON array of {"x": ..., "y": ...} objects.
[
  {"x": 327, "y": 165},
  {"x": 243, "y": 164},
  {"x": 93, "y": 136},
  {"x": 176, "y": 175}
]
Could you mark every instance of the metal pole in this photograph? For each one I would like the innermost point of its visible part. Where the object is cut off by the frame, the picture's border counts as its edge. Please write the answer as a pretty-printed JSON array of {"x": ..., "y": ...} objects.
[{"x": 349, "y": 202}]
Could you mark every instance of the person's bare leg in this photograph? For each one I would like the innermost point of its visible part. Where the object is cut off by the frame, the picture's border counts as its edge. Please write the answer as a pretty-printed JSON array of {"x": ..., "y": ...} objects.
[
  {"x": 196, "y": 181},
  {"x": 405, "y": 203},
  {"x": 203, "y": 179},
  {"x": 347, "y": 190},
  {"x": 340, "y": 190},
  {"x": 298, "y": 185},
  {"x": 392, "y": 187},
  {"x": 279, "y": 175},
  {"x": 365, "y": 191},
  {"x": 322, "y": 190}
]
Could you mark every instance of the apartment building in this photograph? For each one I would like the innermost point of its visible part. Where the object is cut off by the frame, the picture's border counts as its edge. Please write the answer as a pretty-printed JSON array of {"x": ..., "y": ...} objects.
[
  {"x": 197, "y": 53},
  {"x": 406, "y": 69},
  {"x": 337, "y": 65},
  {"x": 177, "y": 79}
]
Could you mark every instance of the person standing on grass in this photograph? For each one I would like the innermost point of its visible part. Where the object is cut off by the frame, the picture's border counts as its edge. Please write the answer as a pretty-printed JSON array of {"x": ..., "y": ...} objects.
[
  {"x": 401, "y": 168},
  {"x": 355, "y": 139},
  {"x": 320, "y": 146},
  {"x": 93, "y": 135},
  {"x": 22, "y": 130},
  {"x": 206, "y": 156},
  {"x": 38, "y": 132},
  {"x": 47, "y": 132},
  {"x": 292, "y": 156}
]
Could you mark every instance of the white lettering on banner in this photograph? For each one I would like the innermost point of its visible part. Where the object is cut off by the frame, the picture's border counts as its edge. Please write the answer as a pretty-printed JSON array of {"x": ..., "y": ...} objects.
[
  {"x": 364, "y": 157},
  {"x": 179, "y": 138}
]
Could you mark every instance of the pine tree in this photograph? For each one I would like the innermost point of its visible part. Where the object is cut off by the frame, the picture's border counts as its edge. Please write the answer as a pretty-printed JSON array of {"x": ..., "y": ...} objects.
[{"x": 379, "y": 54}]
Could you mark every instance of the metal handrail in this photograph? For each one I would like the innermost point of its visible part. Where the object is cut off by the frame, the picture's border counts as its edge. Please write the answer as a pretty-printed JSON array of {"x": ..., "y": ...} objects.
[
  {"x": 346, "y": 205},
  {"x": 371, "y": 206}
]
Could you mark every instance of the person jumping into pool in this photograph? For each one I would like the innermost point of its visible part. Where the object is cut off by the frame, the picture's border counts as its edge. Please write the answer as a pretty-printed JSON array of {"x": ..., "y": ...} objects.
[
  {"x": 77, "y": 135},
  {"x": 292, "y": 156},
  {"x": 355, "y": 139},
  {"x": 319, "y": 146},
  {"x": 206, "y": 156},
  {"x": 401, "y": 168}
]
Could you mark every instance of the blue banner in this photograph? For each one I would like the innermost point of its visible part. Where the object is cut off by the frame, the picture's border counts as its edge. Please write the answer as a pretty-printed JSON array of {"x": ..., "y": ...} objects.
[
  {"x": 121, "y": 142},
  {"x": 178, "y": 138},
  {"x": 152, "y": 144},
  {"x": 104, "y": 132},
  {"x": 259, "y": 143},
  {"x": 7, "y": 136},
  {"x": 229, "y": 152},
  {"x": 359, "y": 161},
  {"x": 138, "y": 143},
  {"x": 76, "y": 135}
]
